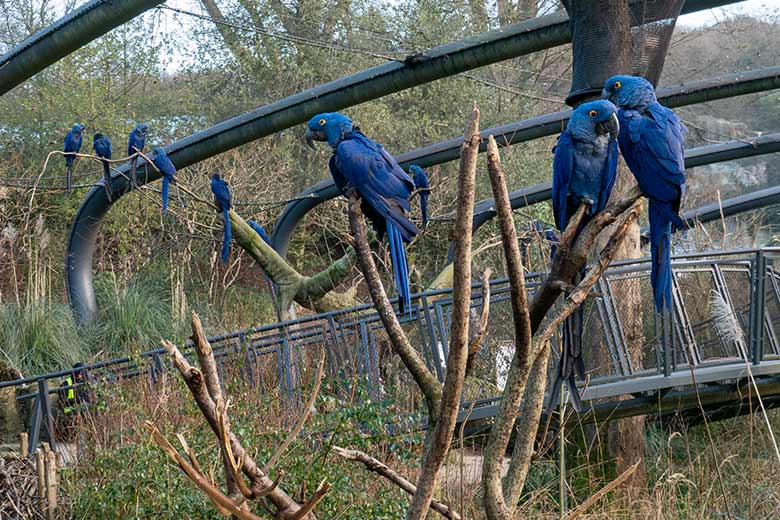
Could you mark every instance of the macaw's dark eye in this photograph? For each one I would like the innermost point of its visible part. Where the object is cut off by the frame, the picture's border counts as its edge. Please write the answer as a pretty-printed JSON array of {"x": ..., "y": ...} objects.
[
  {"x": 322, "y": 122},
  {"x": 618, "y": 84},
  {"x": 593, "y": 113}
]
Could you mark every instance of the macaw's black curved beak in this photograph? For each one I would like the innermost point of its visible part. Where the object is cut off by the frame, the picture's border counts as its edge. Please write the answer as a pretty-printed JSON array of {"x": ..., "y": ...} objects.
[
  {"x": 314, "y": 135},
  {"x": 610, "y": 126},
  {"x": 606, "y": 94}
]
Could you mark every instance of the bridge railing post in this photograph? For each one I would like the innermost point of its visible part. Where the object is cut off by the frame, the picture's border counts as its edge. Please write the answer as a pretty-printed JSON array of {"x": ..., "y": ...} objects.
[
  {"x": 757, "y": 307},
  {"x": 436, "y": 358}
]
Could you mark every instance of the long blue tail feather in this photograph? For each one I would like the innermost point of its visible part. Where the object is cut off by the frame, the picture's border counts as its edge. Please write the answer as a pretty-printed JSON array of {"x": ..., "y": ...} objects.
[
  {"x": 661, "y": 256},
  {"x": 165, "y": 195},
  {"x": 228, "y": 235},
  {"x": 424, "y": 209},
  {"x": 400, "y": 268}
]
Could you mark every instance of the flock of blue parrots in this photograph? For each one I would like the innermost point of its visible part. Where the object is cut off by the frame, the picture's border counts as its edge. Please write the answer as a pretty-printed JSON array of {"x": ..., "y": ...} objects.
[{"x": 628, "y": 120}]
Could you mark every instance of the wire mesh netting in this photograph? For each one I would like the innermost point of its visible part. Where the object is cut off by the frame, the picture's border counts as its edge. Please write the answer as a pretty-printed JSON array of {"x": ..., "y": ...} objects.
[{"x": 598, "y": 49}]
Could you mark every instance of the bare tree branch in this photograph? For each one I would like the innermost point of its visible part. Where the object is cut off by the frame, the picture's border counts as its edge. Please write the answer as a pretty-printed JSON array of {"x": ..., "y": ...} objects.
[
  {"x": 479, "y": 337},
  {"x": 570, "y": 256},
  {"x": 498, "y": 440},
  {"x": 215, "y": 414},
  {"x": 384, "y": 470},
  {"x": 459, "y": 331},
  {"x": 223, "y": 503},
  {"x": 423, "y": 377},
  {"x": 304, "y": 415}
]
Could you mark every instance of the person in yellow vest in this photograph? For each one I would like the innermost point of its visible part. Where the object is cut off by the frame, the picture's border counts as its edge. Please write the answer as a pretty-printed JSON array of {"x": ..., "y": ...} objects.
[{"x": 75, "y": 394}]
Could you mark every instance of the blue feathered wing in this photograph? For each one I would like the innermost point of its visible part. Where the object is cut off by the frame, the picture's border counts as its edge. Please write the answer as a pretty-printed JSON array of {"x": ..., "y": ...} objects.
[
  {"x": 653, "y": 147},
  {"x": 384, "y": 189}
]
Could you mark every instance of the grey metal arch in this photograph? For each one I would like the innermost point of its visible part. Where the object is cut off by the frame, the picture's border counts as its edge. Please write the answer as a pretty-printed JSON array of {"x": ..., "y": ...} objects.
[
  {"x": 733, "y": 206},
  {"x": 446, "y": 60},
  {"x": 75, "y": 29},
  {"x": 542, "y": 126}
]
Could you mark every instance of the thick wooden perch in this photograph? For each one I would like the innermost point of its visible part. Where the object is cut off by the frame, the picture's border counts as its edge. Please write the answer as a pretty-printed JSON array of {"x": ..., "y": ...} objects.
[
  {"x": 524, "y": 391},
  {"x": 457, "y": 359},
  {"x": 316, "y": 292}
]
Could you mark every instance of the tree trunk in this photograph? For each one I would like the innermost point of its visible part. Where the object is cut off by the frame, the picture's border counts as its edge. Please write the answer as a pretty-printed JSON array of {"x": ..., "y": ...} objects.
[
  {"x": 626, "y": 438},
  {"x": 599, "y": 39}
]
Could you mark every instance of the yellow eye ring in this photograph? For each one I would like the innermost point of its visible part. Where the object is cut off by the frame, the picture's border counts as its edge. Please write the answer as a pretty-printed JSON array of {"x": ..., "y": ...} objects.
[
  {"x": 593, "y": 113},
  {"x": 322, "y": 122},
  {"x": 618, "y": 84}
]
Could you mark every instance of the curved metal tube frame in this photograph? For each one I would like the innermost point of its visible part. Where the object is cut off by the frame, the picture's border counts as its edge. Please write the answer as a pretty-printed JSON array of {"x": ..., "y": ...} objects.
[
  {"x": 98, "y": 17},
  {"x": 546, "y": 125},
  {"x": 64, "y": 36},
  {"x": 447, "y": 60}
]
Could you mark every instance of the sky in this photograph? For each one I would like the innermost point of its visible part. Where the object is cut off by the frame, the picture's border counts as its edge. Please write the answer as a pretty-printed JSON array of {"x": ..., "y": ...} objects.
[
  {"x": 713, "y": 16},
  {"x": 179, "y": 24}
]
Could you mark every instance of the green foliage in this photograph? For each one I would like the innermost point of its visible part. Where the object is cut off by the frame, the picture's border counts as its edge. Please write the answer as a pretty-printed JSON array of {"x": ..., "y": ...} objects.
[
  {"x": 38, "y": 336},
  {"x": 133, "y": 316},
  {"x": 134, "y": 479}
]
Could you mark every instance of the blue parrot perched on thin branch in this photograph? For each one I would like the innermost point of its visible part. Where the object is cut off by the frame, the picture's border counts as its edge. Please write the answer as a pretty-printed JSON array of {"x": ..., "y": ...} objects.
[
  {"x": 362, "y": 165},
  {"x": 222, "y": 198},
  {"x": 652, "y": 140},
  {"x": 135, "y": 144},
  {"x": 584, "y": 171},
  {"x": 424, "y": 190},
  {"x": 102, "y": 146},
  {"x": 168, "y": 171},
  {"x": 72, "y": 145}
]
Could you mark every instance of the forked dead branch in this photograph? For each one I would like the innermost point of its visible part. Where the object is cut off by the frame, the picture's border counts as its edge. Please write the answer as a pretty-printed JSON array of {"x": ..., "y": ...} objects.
[
  {"x": 239, "y": 466},
  {"x": 524, "y": 391}
]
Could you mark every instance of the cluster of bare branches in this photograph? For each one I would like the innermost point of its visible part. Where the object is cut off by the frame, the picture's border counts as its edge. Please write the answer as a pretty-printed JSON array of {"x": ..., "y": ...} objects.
[
  {"x": 524, "y": 391},
  {"x": 245, "y": 479}
]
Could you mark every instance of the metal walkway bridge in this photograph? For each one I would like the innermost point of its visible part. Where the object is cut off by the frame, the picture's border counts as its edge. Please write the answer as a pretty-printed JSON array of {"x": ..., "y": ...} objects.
[{"x": 658, "y": 381}]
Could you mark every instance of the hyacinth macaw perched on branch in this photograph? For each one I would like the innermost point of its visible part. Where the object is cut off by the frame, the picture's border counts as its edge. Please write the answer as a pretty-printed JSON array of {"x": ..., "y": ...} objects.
[
  {"x": 222, "y": 198},
  {"x": 652, "y": 140},
  {"x": 168, "y": 171},
  {"x": 424, "y": 189},
  {"x": 362, "y": 165},
  {"x": 135, "y": 144},
  {"x": 72, "y": 145},
  {"x": 584, "y": 171},
  {"x": 102, "y": 146}
]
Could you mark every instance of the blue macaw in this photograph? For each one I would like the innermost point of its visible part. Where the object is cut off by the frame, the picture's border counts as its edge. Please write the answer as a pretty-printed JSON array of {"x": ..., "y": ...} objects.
[
  {"x": 260, "y": 231},
  {"x": 72, "y": 145},
  {"x": 362, "y": 165},
  {"x": 423, "y": 188},
  {"x": 135, "y": 144},
  {"x": 584, "y": 171},
  {"x": 222, "y": 198},
  {"x": 652, "y": 140},
  {"x": 267, "y": 239},
  {"x": 168, "y": 171},
  {"x": 538, "y": 229},
  {"x": 102, "y": 146}
]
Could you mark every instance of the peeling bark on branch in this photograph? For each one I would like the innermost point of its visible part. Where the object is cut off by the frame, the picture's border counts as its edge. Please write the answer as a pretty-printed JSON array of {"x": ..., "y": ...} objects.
[{"x": 459, "y": 331}]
